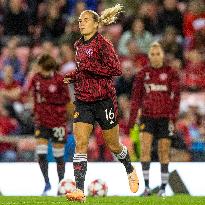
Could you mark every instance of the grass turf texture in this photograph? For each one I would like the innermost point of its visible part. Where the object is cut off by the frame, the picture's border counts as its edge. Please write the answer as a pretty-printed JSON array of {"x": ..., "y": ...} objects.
[{"x": 154, "y": 200}]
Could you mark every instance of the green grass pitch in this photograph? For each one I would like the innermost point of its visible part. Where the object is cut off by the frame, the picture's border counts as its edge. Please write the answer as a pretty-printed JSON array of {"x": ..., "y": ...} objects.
[{"x": 117, "y": 200}]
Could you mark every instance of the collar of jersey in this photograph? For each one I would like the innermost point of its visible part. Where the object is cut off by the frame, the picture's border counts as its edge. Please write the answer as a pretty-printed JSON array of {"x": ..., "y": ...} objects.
[{"x": 88, "y": 41}]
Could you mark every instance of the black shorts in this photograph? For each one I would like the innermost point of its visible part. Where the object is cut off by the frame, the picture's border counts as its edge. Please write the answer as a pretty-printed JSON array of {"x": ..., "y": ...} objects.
[
  {"x": 56, "y": 134},
  {"x": 101, "y": 111},
  {"x": 158, "y": 127}
]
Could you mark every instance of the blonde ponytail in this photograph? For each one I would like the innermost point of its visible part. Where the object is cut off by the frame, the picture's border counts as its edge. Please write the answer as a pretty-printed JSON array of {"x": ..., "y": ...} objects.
[{"x": 109, "y": 15}]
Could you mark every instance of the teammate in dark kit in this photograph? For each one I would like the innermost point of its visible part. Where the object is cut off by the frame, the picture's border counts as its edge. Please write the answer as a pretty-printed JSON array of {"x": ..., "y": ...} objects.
[
  {"x": 50, "y": 99},
  {"x": 156, "y": 92},
  {"x": 97, "y": 64}
]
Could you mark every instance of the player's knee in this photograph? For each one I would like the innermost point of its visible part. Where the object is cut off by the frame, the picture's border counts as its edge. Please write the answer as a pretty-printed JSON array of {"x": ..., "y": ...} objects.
[
  {"x": 42, "y": 149},
  {"x": 115, "y": 148},
  {"x": 164, "y": 157},
  {"x": 58, "y": 151},
  {"x": 145, "y": 158},
  {"x": 144, "y": 153},
  {"x": 81, "y": 146}
]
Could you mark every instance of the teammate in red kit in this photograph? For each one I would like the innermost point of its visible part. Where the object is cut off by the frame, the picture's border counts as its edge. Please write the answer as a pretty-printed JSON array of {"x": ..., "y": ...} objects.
[
  {"x": 50, "y": 99},
  {"x": 156, "y": 92},
  {"x": 97, "y": 64}
]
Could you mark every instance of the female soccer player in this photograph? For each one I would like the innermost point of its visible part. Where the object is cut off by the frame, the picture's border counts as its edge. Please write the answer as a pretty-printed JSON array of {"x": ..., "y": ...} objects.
[
  {"x": 50, "y": 100},
  {"x": 156, "y": 91},
  {"x": 97, "y": 63}
]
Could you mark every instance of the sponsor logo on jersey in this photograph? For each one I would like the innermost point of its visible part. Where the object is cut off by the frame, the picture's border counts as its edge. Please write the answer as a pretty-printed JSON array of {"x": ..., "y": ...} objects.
[
  {"x": 163, "y": 76},
  {"x": 155, "y": 87},
  {"x": 52, "y": 88},
  {"x": 76, "y": 114}
]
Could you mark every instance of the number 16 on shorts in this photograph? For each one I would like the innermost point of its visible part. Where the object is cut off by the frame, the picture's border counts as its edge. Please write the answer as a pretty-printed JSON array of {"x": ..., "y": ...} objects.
[{"x": 110, "y": 115}]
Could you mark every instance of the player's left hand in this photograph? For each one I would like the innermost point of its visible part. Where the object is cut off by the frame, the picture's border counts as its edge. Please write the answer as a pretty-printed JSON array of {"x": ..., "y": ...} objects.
[{"x": 66, "y": 80}]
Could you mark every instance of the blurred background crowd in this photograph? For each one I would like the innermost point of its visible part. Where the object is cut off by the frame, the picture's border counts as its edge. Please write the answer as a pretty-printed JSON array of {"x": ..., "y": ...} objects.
[{"x": 32, "y": 27}]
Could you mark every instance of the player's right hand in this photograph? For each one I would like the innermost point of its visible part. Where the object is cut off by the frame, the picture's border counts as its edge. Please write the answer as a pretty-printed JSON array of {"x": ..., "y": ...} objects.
[{"x": 66, "y": 80}]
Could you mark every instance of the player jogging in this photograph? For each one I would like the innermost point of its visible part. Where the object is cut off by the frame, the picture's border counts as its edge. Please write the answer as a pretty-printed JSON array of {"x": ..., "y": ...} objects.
[
  {"x": 95, "y": 94},
  {"x": 156, "y": 91},
  {"x": 50, "y": 99}
]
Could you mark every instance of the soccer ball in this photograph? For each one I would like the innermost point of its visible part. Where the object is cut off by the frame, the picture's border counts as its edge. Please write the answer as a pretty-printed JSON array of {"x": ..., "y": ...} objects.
[
  {"x": 66, "y": 186},
  {"x": 97, "y": 188}
]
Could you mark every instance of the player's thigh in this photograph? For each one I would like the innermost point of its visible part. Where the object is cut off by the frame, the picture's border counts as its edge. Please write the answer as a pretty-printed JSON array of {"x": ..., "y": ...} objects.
[
  {"x": 146, "y": 140},
  {"x": 106, "y": 114},
  {"x": 111, "y": 138},
  {"x": 82, "y": 132},
  {"x": 58, "y": 149},
  {"x": 147, "y": 131}
]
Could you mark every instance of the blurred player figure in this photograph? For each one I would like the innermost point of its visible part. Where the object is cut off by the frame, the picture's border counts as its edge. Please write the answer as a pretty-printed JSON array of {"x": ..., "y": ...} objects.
[
  {"x": 50, "y": 99},
  {"x": 156, "y": 91},
  {"x": 95, "y": 94}
]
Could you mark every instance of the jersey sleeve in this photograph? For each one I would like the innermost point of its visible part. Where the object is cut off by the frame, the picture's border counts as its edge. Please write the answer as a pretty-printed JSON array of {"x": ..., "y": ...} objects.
[
  {"x": 136, "y": 97},
  {"x": 175, "y": 94},
  {"x": 109, "y": 64},
  {"x": 72, "y": 75}
]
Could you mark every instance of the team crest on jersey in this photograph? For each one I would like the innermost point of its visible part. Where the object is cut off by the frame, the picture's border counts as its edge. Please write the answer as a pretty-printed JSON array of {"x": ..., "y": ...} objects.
[
  {"x": 147, "y": 77},
  {"x": 142, "y": 126},
  {"x": 38, "y": 85},
  {"x": 52, "y": 88},
  {"x": 89, "y": 52},
  {"x": 163, "y": 76}
]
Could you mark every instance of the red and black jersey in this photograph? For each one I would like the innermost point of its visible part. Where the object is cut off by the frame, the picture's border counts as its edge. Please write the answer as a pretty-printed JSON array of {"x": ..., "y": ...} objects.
[
  {"x": 97, "y": 63},
  {"x": 50, "y": 99},
  {"x": 156, "y": 92}
]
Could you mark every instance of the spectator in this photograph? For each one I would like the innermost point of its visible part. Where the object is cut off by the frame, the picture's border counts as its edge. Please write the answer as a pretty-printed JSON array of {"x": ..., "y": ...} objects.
[
  {"x": 139, "y": 59},
  {"x": 63, "y": 8},
  {"x": 2, "y": 14},
  {"x": 125, "y": 81},
  {"x": 55, "y": 25},
  {"x": 193, "y": 131},
  {"x": 170, "y": 44},
  {"x": 10, "y": 88},
  {"x": 148, "y": 11},
  {"x": 71, "y": 34},
  {"x": 142, "y": 37},
  {"x": 194, "y": 18},
  {"x": 67, "y": 58},
  {"x": 7, "y": 127},
  {"x": 12, "y": 60},
  {"x": 75, "y": 7},
  {"x": 39, "y": 21},
  {"x": 16, "y": 19},
  {"x": 170, "y": 16},
  {"x": 9, "y": 92},
  {"x": 199, "y": 41},
  {"x": 194, "y": 71},
  {"x": 80, "y": 6}
]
